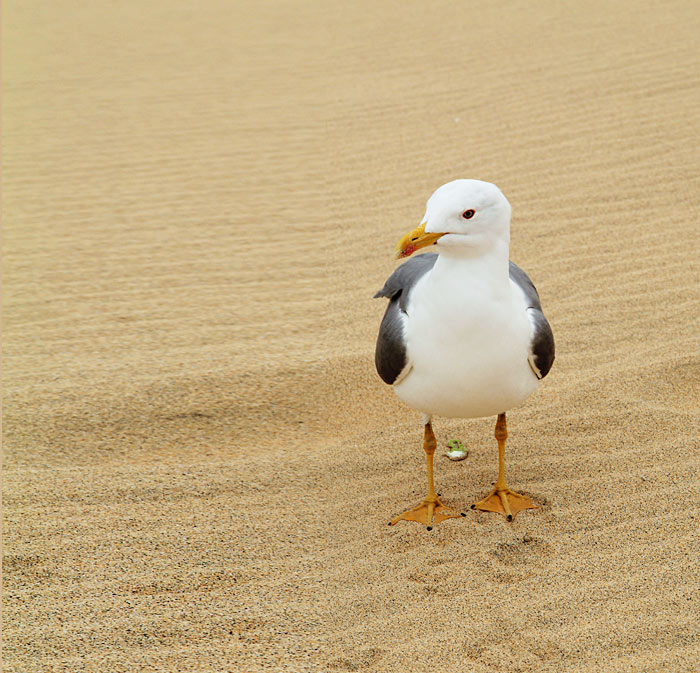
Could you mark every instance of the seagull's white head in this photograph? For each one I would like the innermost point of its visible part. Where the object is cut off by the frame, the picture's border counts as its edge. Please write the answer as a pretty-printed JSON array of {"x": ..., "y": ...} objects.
[{"x": 462, "y": 216}]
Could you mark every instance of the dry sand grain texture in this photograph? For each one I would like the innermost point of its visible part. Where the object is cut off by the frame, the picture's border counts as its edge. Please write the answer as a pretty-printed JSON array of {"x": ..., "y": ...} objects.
[{"x": 200, "y": 200}]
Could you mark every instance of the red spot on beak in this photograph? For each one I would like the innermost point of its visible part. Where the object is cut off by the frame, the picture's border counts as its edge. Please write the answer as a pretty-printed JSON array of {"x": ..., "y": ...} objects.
[{"x": 408, "y": 251}]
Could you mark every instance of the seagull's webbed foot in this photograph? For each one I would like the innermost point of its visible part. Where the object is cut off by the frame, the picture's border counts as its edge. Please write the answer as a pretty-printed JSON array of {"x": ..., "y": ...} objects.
[
  {"x": 504, "y": 501},
  {"x": 429, "y": 512}
]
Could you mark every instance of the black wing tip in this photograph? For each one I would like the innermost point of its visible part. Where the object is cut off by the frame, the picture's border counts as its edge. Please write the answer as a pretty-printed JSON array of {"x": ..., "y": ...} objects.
[
  {"x": 389, "y": 380},
  {"x": 388, "y": 366},
  {"x": 543, "y": 346}
]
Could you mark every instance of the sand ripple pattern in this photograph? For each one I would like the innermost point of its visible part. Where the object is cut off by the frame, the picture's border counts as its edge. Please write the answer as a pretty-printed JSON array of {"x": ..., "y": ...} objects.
[{"x": 199, "y": 200}]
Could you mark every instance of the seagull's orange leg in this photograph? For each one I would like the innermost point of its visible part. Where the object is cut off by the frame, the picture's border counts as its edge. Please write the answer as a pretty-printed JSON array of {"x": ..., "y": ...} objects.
[
  {"x": 502, "y": 499},
  {"x": 431, "y": 510}
]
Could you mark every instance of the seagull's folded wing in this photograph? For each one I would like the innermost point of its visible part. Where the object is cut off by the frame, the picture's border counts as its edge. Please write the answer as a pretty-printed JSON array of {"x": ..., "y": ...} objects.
[
  {"x": 541, "y": 337},
  {"x": 390, "y": 355}
]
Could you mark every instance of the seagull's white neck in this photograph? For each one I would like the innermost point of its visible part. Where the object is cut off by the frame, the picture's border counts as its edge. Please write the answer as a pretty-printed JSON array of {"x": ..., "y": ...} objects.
[{"x": 485, "y": 272}]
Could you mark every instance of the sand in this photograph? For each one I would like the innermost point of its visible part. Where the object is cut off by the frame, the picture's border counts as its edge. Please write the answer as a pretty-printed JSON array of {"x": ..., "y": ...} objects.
[{"x": 200, "y": 462}]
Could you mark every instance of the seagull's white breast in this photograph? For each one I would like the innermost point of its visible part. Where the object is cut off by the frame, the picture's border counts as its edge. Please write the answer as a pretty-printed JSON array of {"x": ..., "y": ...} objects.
[{"x": 467, "y": 343}]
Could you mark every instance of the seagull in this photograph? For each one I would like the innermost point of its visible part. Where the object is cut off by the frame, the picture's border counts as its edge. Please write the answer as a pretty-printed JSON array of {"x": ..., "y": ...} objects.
[{"x": 464, "y": 335}]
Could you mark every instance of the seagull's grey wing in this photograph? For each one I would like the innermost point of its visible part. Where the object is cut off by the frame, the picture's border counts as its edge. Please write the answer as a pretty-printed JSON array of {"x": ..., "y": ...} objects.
[
  {"x": 542, "y": 341},
  {"x": 390, "y": 354}
]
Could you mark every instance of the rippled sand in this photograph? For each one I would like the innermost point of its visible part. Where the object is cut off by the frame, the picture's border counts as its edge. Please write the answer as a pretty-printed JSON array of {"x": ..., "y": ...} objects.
[{"x": 199, "y": 201}]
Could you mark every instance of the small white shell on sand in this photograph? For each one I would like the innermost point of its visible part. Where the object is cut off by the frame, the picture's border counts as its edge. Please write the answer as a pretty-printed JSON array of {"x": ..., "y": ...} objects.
[{"x": 457, "y": 455}]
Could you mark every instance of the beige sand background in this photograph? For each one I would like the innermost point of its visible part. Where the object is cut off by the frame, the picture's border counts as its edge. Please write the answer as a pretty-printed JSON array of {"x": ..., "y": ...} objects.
[{"x": 200, "y": 200}]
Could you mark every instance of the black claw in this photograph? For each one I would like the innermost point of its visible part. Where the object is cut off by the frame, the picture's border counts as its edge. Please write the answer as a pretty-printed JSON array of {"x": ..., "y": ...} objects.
[
  {"x": 473, "y": 506},
  {"x": 509, "y": 517},
  {"x": 389, "y": 524},
  {"x": 430, "y": 528},
  {"x": 439, "y": 493},
  {"x": 463, "y": 513}
]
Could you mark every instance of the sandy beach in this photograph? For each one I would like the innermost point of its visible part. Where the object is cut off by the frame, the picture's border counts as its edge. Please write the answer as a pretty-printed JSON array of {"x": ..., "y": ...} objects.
[{"x": 200, "y": 461}]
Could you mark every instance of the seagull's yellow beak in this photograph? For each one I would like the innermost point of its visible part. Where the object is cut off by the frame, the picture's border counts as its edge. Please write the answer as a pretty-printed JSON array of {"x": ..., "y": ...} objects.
[{"x": 414, "y": 240}]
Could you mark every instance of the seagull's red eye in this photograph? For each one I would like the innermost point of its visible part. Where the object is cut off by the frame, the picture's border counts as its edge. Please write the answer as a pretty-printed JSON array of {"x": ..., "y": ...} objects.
[{"x": 468, "y": 214}]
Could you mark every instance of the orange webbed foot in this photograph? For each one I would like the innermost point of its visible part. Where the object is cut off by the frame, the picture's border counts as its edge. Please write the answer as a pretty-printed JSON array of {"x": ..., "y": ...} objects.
[
  {"x": 429, "y": 512},
  {"x": 504, "y": 501}
]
